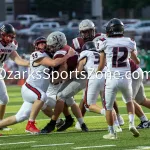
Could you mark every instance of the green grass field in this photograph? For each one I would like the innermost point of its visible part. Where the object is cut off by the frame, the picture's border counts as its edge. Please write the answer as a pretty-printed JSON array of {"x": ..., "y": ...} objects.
[{"x": 72, "y": 139}]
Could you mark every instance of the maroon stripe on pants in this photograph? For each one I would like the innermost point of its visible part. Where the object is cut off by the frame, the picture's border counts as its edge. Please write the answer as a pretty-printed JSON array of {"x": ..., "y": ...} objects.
[
  {"x": 104, "y": 101},
  {"x": 34, "y": 90},
  {"x": 85, "y": 95}
]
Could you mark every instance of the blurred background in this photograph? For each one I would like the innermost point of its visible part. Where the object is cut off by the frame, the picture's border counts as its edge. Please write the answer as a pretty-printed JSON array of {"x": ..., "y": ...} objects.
[{"x": 33, "y": 18}]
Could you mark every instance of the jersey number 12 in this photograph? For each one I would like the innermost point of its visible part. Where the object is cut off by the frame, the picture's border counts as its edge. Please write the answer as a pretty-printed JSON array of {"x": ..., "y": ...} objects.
[{"x": 119, "y": 61}]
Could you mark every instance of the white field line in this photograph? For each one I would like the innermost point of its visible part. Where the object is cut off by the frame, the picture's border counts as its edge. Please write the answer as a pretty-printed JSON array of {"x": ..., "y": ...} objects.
[
  {"x": 61, "y": 144},
  {"x": 144, "y": 147},
  {"x": 20, "y": 135},
  {"x": 18, "y": 143},
  {"x": 85, "y": 116},
  {"x": 140, "y": 148},
  {"x": 93, "y": 146},
  {"x": 91, "y": 116}
]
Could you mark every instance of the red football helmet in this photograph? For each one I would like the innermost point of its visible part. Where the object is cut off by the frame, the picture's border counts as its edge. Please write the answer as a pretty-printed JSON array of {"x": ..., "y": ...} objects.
[{"x": 42, "y": 41}]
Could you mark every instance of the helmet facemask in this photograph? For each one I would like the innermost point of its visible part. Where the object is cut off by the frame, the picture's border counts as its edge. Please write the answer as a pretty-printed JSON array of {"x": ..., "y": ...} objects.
[
  {"x": 8, "y": 33},
  {"x": 88, "y": 35},
  {"x": 52, "y": 48},
  {"x": 56, "y": 41},
  {"x": 40, "y": 44},
  {"x": 7, "y": 38},
  {"x": 87, "y": 30}
]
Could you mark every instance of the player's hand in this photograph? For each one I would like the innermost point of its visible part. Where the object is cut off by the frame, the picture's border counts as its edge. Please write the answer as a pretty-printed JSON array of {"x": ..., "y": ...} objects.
[{"x": 71, "y": 52}]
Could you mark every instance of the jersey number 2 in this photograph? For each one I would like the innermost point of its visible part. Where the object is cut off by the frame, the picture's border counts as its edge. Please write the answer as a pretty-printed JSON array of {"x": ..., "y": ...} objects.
[
  {"x": 119, "y": 62},
  {"x": 96, "y": 58}
]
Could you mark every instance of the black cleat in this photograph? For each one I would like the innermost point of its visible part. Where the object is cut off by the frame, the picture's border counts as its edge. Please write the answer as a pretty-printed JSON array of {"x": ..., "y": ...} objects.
[
  {"x": 67, "y": 123},
  {"x": 59, "y": 123},
  {"x": 84, "y": 127},
  {"x": 143, "y": 125},
  {"x": 48, "y": 128}
]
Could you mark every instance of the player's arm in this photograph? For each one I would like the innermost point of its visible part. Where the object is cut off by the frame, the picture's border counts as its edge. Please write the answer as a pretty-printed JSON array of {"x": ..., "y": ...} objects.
[
  {"x": 47, "y": 61},
  {"x": 63, "y": 67},
  {"x": 79, "y": 68},
  {"x": 102, "y": 61},
  {"x": 18, "y": 60},
  {"x": 135, "y": 58}
]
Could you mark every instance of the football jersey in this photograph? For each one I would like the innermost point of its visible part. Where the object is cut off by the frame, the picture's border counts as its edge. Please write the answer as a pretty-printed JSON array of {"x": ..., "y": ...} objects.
[
  {"x": 133, "y": 65},
  {"x": 92, "y": 61},
  {"x": 118, "y": 51},
  {"x": 38, "y": 76},
  {"x": 78, "y": 42},
  {"x": 5, "y": 51},
  {"x": 71, "y": 61}
]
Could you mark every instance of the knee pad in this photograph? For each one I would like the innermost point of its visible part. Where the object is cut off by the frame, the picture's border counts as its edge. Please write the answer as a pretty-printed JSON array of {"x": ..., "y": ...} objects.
[
  {"x": 4, "y": 99},
  {"x": 22, "y": 117},
  {"x": 44, "y": 106},
  {"x": 24, "y": 112},
  {"x": 43, "y": 97},
  {"x": 51, "y": 102},
  {"x": 70, "y": 101},
  {"x": 61, "y": 96}
]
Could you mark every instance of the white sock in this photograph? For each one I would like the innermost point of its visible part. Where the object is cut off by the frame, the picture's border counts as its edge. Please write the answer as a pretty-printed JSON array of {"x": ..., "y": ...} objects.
[
  {"x": 116, "y": 123},
  {"x": 31, "y": 120},
  {"x": 131, "y": 119},
  {"x": 80, "y": 120},
  {"x": 102, "y": 111},
  {"x": 143, "y": 118}
]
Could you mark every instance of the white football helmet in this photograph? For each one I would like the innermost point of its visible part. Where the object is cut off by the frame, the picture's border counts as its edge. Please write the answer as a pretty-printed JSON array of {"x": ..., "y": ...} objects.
[
  {"x": 56, "y": 40},
  {"x": 87, "y": 30},
  {"x": 86, "y": 25}
]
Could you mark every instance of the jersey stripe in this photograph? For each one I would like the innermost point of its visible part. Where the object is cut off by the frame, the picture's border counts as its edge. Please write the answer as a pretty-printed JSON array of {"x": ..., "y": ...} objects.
[
  {"x": 61, "y": 52},
  {"x": 76, "y": 43},
  {"x": 34, "y": 90}
]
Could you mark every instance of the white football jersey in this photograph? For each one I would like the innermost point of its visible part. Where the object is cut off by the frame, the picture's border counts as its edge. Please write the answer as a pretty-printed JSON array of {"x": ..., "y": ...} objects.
[
  {"x": 39, "y": 74},
  {"x": 5, "y": 51},
  {"x": 99, "y": 38},
  {"x": 118, "y": 51},
  {"x": 92, "y": 61}
]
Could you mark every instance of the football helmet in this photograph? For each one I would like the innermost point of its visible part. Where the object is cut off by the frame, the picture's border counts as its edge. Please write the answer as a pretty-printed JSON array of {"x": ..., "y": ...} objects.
[
  {"x": 40, "y": 39},
  {"x": 7, "y": 29},
  {"x": 8, "y": 33},
  {"x": 115, "y": 27},
  {"x": 87, "y": 30},
  {"x": 56, "y": 40},
  {"x": 89, "y": 46}
]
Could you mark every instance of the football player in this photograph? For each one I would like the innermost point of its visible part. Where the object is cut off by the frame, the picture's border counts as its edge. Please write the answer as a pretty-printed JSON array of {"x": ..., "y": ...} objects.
[
  {"x": 88, "y": 61},
  {"x": 138, "y": 95},
  {"x": 8, "y": 47},
  {"x": 116, "y": 50},
  {"x": 34, "y": 89},
  {"x": 69, "y": 88},
  {"x": 88, "y": 33}
]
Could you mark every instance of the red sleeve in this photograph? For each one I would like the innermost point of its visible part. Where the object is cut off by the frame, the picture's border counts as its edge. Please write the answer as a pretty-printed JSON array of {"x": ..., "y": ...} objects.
[
  {"x": 77, "y": 44},
  {"x": 15, "y": 42},
  {"x": 133, "y": 66},
  {"x": 62, "y": 52}
]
